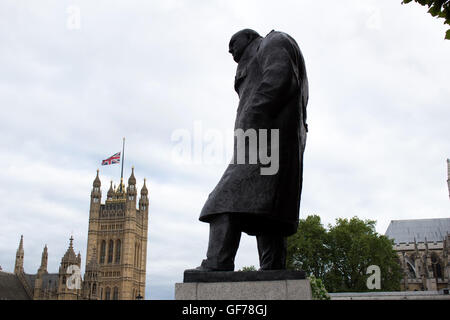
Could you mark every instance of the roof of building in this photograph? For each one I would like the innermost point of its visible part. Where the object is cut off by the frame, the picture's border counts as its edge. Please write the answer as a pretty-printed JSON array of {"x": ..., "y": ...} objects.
[
  {"x": 50, "y": 281},
  {"x": 30, "y": 278},
  {"x": 11, "y": 288},
  {"x": 408, "y": 231}
]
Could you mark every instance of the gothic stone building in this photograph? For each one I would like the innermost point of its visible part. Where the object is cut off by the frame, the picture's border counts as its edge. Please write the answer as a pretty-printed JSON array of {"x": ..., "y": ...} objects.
[
  {"x": 42, "y": 285},
  {"x": 423, "y": 248},
  {"x": 118, "y": 233},
  {"x": 116, "y": 254}
]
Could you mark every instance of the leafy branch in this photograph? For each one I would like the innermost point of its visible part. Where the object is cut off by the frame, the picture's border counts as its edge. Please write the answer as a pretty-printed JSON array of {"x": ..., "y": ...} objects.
[{"x": 438, "y": 9}]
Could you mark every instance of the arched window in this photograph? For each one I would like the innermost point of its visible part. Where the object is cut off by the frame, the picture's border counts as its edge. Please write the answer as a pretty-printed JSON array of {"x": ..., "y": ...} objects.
[
  {"x": 110, "y": 251},
  {"x": 139, "y": 255},
  {"x": 435, "y": 261},
  {"x": 118, "y": 248},
  {"x": 94, "y": 289},
  {"x": 116, "y": 293},
  {"x": 411, "y": 271},
  {"x": 108, "y": 293},
  {"x": 102, "y": 252}
]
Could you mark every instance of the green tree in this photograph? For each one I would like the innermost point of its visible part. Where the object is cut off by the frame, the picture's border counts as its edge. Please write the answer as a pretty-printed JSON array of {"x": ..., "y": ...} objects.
[
  {"x": 437, "y": 8},
  {"x": 306, "y": 249},
  {"x": 341, "y": 255},
  {"x": 354, "y": 245}
]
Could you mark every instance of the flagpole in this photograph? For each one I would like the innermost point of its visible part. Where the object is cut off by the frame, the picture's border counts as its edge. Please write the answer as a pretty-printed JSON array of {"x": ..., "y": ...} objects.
[{"x": 121, "y": 172}]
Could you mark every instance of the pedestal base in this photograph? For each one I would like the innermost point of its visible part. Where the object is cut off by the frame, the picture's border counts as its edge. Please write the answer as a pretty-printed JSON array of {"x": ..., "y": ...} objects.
[{"x": 244, "y": 290}]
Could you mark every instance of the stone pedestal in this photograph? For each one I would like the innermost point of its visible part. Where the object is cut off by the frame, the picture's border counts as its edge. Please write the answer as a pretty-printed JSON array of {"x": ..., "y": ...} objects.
[{"x": 243, "y": 285}]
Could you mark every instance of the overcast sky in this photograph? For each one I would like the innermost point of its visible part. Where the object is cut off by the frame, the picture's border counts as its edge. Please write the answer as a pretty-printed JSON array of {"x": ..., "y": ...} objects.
[{"x": 378, "y": 116}]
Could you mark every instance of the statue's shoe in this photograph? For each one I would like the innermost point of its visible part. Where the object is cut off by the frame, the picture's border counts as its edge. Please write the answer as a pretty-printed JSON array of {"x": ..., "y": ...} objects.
[
  {"x": 200, "y": 269},
  {"x": 205, "y": 268}
]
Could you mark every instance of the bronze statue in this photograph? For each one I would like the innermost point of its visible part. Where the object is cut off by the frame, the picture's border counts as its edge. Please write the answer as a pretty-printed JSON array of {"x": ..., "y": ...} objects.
[{"x": 272, "y": 86}]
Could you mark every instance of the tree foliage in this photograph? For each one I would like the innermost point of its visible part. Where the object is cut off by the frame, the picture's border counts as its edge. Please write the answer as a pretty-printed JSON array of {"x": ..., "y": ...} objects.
[
  {"x": 438, "y": 9},
  {"x": 306, "y": 249},
  {"x": 248, "y": 268},
  {"x": 318, "y": 290},
  {"x": 341, "y": 255}
]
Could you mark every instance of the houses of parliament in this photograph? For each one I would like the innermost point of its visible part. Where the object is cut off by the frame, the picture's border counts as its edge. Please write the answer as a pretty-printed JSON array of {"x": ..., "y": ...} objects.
[{"x": 116, "y": 254}]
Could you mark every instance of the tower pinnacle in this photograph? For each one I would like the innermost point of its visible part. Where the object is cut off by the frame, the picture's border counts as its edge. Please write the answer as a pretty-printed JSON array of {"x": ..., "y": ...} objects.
[
  {"x": 44, "y": 261},
  {"x": 18, "y": 268},
  {"x": 144, "y": 191},
  {"x": 97, "y": 183}
]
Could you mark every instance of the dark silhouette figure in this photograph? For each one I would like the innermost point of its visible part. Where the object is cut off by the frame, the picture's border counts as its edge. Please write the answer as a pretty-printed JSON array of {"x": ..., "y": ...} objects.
[{"x": 272, "y": 86}]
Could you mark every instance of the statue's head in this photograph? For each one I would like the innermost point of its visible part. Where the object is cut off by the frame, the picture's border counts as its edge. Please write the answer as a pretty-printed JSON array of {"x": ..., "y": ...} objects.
[{"x": 240, "y": 41}]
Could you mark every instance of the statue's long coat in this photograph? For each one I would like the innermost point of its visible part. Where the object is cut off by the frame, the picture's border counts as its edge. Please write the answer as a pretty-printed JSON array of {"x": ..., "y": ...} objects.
[{"x": 272, "y": 86}]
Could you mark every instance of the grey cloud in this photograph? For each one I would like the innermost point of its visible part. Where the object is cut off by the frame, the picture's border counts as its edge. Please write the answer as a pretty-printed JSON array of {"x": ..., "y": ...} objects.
[{"x": 378, "y": 115}]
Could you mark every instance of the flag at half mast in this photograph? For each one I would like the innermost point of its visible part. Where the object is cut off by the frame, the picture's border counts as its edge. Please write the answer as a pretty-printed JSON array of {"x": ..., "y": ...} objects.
[
  {"x": 116, "y": 159},
  {"x": 112, "y": 160}
]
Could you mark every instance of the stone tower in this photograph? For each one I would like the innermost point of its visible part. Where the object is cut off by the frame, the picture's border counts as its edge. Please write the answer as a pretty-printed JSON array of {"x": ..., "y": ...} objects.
[
  {"x": 118, "y": 232},
  {"x": 42, "y": 271},
  {"x": 69, "y": 269}
]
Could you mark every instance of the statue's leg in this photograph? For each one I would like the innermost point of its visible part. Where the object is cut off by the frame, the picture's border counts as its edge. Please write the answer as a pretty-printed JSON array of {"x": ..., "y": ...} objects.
[
  {"x": 272, "y": 250},
  {"x": 224, "y": 238}
]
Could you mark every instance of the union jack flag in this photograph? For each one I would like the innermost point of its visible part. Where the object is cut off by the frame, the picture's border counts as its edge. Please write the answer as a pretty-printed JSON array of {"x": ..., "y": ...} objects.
[{"x": 111, "y": 160}]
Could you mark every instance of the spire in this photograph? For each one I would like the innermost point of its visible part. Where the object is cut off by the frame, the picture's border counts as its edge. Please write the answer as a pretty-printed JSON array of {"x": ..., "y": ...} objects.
[
  {"x": 44, "y": 261},
  {"x": 97, "y": 183},
  {"x": 143, "y": 201},
  {"x": 44, "y": 255},
  {"x": 96, "y": 194},
  {"x": 111, "y": 191},
  {"x": 131, "y": 189},
  {"x": 144, "y": 191},
  {"x": 70, "y": 256},
  {"x": 132, "y": 179},
  {"x": 18, "y": 268},
  {"x": 20, "y": 244}
]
